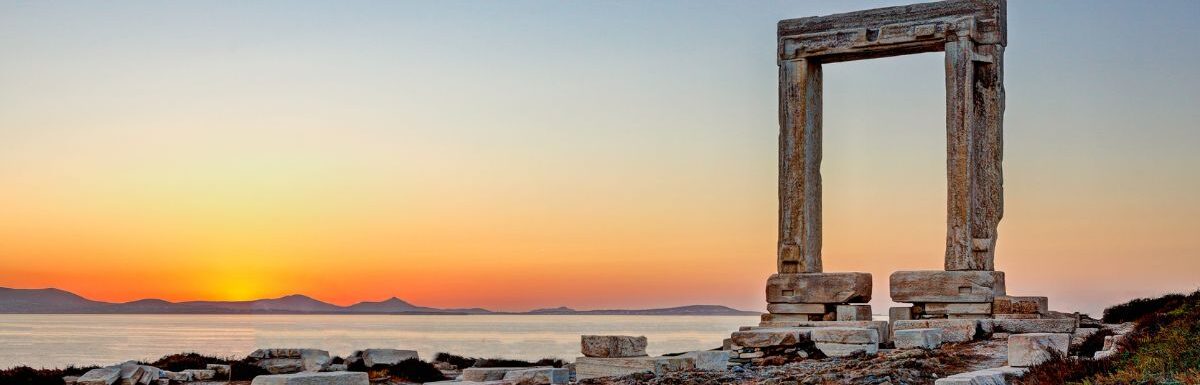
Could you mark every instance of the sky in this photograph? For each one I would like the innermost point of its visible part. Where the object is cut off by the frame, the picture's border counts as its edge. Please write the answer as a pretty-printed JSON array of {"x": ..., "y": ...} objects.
[{"x": 525, "y": 154}]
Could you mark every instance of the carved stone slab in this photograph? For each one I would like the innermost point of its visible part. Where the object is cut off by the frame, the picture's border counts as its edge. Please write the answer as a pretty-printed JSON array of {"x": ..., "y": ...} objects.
[
  {"x": 946, "y": 286},
  {"x": 819, "y": 288}
]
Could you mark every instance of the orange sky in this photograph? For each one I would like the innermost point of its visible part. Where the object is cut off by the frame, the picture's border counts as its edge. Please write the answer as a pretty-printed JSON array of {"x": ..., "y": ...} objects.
[{"x": 169, "y": 157}]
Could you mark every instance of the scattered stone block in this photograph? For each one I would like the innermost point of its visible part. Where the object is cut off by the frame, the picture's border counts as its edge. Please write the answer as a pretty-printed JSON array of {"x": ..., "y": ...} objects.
[
  {"x": 946, "y": 286},
  {"x": 70, "y": 380},
  {"x": 845, "y": 350},
  {"x": 1021, "y": 326},
  {"x": 593, "y": 367},
  {"x": 372, "y": 357},
  {"x": 1034, "y": 348},
  {"x": 486, "y": 374},
  {"x": 1007, "y": 304},
  {"x": 538, "y": 376},
  {"x": 613, "y": 346},
  {"x": 288, "y": 360},
  {"x": 310, "y": 378},
  {"x": 995, "y": 376},
  {"x": 831, "y": 288},
  {"x": 1016, "y": 316},
  {"x": 845, "y": 335},
  {"x": 222, "y": 371},
  {"x": 928, "y": 338},
  {"x": 178, "y": 376},
  {"x": 765, "y": 337},
  {"x": 881, "y": 326},
  {"x": 1112, "y": 342},
  {"x": 953, "y": 330},
  {"x": 133, "y": 373},
  {"x": 100, "y": 376},
  {"x": 796, "y": 308},
  {"x": 958, "y": 308},
  {"x": 201, "y": 374},
  {"x": 1102, "y": 354},
  {"x": 708, "y": 359},
  {"x": 853, "y": 312}
]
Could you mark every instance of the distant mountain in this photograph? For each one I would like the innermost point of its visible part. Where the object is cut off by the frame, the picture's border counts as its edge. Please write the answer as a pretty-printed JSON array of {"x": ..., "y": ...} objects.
[{"x": 49, "y": 301}]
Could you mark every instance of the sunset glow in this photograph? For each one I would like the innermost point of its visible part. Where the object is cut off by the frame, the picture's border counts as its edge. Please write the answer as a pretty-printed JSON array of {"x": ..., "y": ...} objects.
[{"x": 544, "y": 156}]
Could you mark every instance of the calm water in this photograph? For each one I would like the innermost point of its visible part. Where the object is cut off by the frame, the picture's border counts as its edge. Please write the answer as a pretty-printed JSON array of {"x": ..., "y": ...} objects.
[{"x": 59, "y": 340}]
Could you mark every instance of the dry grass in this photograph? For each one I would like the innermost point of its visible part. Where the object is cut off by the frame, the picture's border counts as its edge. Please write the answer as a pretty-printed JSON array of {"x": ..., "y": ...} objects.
[{"x": 1163, "y": 349}]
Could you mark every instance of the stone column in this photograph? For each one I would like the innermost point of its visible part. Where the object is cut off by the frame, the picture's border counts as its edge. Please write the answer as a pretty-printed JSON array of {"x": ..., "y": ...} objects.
[
  {"x": 799, "y": 166},
  {"x": 974, "y": 152}
]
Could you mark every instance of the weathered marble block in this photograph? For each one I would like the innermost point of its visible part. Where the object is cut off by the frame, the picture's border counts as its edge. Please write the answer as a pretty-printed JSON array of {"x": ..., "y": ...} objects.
[
  {"x": 613, "y": 346},
  {"x": 487, "y": 374},
  {"x": 880, "y": 326},
  {"x": 709, "y": 359},
  {"x": 539, "y": 376},
  {"x": 1018, "y": 326},
  {"x": 928, "y": 338},
  {"x": 946, "y": 286},
  {"x": 898, "y": 313},
  {"x": 100, "y": 376},
  {"x": 1034, "y": 348},
  {"x": 822, "y": 288},
  {"x": 953, "y": 330},
  {"x": 309, "y": 378},
  {"x": 796, "y": 308},
  {"x": 1006, "y": 304},
  {"x": 834, "y": 349},
  {"x": 943, "y": 308},
  {"x": 593, "y": 367},
  {"x": 845, "y": 335},
  {"x": 853, "y": 312},
  {"x": 201, "y": 374},
  {"x": 759, "y": 338}
]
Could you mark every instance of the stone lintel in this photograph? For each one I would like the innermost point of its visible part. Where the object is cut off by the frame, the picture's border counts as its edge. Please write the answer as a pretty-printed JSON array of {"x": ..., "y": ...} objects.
[
  {"x": 832, "y": 288},
  {"x": 880, "y": 326},
  {"x": 953, "y": 330},
  {"x": 938, "y": 286}
]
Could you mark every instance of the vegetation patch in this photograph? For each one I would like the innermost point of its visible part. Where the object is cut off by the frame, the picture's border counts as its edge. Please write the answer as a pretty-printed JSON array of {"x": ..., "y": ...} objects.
[
  {"x": 24, "y": 375},
  {"x": 1164, "y": 348},
  {"x": 469, "y": 362}
]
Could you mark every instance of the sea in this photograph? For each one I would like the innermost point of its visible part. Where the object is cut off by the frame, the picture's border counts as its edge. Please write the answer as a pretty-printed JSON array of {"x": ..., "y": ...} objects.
[{"x": 60, "y": 340}]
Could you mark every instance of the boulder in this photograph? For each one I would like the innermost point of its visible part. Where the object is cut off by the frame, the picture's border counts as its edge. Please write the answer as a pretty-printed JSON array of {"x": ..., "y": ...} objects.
[
  {"x": 613, "y": 346},
  {"x": 833, "y": 349},
  {"x": 1034, "y": 348},
  {"x": 845, "y": 335},
  {"x": 928, "y": 338},
  {"x": 853, "y": 312},
  {"x": 831, "y": 288},
  {"x": 946, "y": 286},
  {"x": 310, "y": 378},
  {"x": 760, "y": 338},
  {"x": 372, "y": 357},
  {"x": 593, "y": 367},
  {"x": 538, "y": 376},
  {"x": 796, "y": 308},
  {"x": 953, "y": 330},
  {"x": 100, "y": 376}
]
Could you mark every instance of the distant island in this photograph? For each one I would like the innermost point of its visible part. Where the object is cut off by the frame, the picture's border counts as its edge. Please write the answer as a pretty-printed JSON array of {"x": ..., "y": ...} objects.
[{"x": 56, "y": 301}]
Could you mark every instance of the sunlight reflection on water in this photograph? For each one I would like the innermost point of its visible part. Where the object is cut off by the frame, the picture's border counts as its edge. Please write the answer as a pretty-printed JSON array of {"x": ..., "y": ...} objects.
[{"x": 63, "y": 339}]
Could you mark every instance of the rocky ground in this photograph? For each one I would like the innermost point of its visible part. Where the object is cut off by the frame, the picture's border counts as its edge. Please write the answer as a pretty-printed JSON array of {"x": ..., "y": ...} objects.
[{"x": 895, "y": 367}]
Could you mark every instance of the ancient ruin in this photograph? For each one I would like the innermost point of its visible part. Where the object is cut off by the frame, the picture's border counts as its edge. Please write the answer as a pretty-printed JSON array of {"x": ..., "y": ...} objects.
[{"x": 966, "y": 299}]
